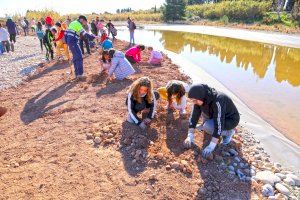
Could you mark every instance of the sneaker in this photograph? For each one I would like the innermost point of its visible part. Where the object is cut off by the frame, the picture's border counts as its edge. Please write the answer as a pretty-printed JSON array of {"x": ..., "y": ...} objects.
[{"x": 226, "y": 138}]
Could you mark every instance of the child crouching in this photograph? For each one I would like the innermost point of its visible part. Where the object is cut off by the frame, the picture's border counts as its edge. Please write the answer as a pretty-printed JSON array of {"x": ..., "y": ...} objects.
[
  {"x": 175, "y": 93},
  {"x": 141, "y": 97}
]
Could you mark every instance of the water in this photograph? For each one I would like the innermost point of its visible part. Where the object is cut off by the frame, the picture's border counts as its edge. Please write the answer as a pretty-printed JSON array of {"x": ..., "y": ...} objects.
[{"x": 266, "y": 77}]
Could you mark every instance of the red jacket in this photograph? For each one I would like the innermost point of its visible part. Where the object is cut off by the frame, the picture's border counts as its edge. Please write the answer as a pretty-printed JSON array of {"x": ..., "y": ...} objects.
[{"x": 60, "y": 36}]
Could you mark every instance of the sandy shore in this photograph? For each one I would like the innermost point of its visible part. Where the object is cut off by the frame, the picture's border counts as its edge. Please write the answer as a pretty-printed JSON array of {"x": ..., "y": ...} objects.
[{"x": 63, "y": 139}]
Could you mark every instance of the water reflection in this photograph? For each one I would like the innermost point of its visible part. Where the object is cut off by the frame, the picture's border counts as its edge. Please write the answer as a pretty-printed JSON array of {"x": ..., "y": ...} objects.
[{"x": 257, "y": 56}]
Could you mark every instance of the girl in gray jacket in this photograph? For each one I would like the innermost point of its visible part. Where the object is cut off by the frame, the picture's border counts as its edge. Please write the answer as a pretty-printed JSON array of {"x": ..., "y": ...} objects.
[{"x": 120, "y": 66}]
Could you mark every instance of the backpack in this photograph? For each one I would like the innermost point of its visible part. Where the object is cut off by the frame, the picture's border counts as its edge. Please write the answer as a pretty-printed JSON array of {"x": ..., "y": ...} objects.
[
  {"x": 40, "y": 34},
  {"x": 133, "y": 25}
]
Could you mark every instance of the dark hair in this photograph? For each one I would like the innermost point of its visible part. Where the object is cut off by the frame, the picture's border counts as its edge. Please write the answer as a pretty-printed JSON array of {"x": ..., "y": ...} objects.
[
  {"x": 103, "y": 58},
  {"x": 82, "y": 17},
  {"x": 58, "y": 24},
  {"x": 141, "y": 47},
  {"x": 111, "y": 53},
  {"x": 175, "y": 88},
  {"x": 39, "y": 26},
  {"x": 54, "y": 29},
  {"x": 0, "y": 25}
]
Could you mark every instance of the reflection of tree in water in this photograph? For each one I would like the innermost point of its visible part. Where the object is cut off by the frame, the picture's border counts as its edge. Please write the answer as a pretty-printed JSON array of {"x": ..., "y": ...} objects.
[
  {"x": 173, "y": 41},
  {"x": 257, "y": 55},
  {"x": 287, "y": 62}
]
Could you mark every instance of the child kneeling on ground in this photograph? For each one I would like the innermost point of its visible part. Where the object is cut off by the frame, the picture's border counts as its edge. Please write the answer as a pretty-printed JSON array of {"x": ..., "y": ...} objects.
[
  {"x": 120, "y": 66},
  {"x": 155, "y": 56},
  {"x": 141, "y": 98},
  {"x": 133, "y": 54},
  {"x": 175, "y": 93},
  {"x": 105, "y": 62}
]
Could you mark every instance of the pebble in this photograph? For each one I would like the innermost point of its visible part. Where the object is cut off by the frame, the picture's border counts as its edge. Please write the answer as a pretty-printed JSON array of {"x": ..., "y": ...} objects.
[
  {"x": 89, "y": 136},
  {"x": 168, "y": 167},
  {"x": 184, "y": 162},
  {"x": 242, "y": 165},
  {"x": 282, "y": 189},
  {"x": 97, "y": 140},
  {"x": 267, "y": 190},
  {"x": 295, "y": 178},
  {"x": 226, "y": 154},
  {"x": 281, "y": 176},
  {"x": 160, "y": 156},
  {"x": 138, "y": 152},
  {"x": 289, "y": 181},
  {"x": 148, "y": 191},
  {"x": 175, "y": 165},
  {"x": 233, "y": 152},
  {"x": 231, "y": 168},
  {"x": 152, "y": 177},
  {"x": 278, "y": 165},
  {"x": 110, "y": 135},
  {"x": 267, "y": 177},
  {"x": 237, "y": 159},
  {"x": 252, "y": 172},
  {"x": 235, "y": 164}
]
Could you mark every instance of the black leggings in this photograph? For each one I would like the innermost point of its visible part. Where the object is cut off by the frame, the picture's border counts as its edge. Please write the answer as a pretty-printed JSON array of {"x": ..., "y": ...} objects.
[
  {"x": 41, "y": 44},
  {"x": 12, "y": 38},
  {"x": 130, "y": 59}
]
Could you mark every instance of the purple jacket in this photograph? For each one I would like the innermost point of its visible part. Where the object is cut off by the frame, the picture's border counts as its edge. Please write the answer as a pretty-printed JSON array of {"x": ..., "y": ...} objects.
[{"x": 11, "y": 26}]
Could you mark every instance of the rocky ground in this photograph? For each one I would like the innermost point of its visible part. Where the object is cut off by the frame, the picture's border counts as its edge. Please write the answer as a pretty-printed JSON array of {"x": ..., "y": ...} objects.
[
  {"x": 63, "y": 139},
  {"x": 14, "y": 65}
]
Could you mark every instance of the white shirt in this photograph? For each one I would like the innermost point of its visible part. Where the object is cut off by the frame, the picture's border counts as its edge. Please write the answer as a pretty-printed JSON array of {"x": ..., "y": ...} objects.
[{"x": 4, "y": 35}]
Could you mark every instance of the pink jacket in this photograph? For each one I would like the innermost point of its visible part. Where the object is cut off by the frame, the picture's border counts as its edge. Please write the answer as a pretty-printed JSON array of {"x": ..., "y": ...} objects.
[{"x": 135, "y": 53}]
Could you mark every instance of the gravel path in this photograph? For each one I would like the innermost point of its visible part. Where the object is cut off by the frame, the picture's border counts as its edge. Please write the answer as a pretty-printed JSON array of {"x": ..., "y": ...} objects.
[{"x": 15, "y": 65}]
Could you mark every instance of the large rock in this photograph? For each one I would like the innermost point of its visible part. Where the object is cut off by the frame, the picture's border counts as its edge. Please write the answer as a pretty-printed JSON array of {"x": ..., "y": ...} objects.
[
  {"x": 267, "y": 177},
  {"x": 282, "y": 189},
  {"x": 289, "y": 181},
  {"x": 267, "y": 190},
  {"x": 295, "y": 178}
]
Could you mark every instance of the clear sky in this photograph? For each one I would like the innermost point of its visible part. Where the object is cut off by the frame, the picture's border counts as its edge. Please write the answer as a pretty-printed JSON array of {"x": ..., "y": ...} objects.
[{"x": 11, "y": 7}]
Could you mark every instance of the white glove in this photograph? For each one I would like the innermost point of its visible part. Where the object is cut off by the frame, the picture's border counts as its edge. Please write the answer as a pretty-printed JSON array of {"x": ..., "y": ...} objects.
[
  {"x": 209, "y": 149},
  {"x": 189, "y": 139},
  {"x": 143, "y": 126}
]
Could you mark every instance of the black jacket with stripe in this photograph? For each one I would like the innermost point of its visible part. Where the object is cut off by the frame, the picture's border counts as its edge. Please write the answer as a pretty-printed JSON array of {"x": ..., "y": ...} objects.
[
  {"x": 217, "y": 106},
  {"x": 134, "y": 107}
]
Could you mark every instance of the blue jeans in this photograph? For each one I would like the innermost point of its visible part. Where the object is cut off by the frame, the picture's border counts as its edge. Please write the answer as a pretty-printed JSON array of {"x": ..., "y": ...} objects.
[
  {"x": 208, "y": 127},
  {"x": 77, "y": 55},
  {"x": 131, "y": 37}
]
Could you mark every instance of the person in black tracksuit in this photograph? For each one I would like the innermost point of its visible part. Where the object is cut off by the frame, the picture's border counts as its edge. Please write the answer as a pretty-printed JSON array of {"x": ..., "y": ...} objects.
[
  {"x": 140, "y": 98},
  {"x": 219, "y": 112}
]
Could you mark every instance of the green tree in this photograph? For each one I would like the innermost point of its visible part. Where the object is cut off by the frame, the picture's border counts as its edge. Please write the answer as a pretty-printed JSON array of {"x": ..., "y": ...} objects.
[{"x": 174, "y": 10}]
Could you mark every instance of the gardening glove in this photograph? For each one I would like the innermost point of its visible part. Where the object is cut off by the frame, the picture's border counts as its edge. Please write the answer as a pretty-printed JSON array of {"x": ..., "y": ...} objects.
[
  {"x": 189, "y": 139},
  {"x": 143, "y": 126},
  {"x": 209, "y": 149}
]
